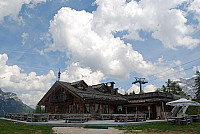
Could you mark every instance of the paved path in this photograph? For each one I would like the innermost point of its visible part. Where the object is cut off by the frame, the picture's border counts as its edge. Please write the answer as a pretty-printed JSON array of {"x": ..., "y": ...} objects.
[
  {"x": 61, "y": 123},
  {"x": 81, "y": 130}
]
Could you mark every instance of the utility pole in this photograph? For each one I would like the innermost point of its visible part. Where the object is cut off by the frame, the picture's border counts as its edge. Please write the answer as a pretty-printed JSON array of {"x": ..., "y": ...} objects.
[{"x": 140, "y": 81}]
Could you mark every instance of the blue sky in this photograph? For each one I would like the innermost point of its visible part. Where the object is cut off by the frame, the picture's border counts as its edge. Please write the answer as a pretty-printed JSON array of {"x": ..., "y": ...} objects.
[{"x": 97, "y": 41}]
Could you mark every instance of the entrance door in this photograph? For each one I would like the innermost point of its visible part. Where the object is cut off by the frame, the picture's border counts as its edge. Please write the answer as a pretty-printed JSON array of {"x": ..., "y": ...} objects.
[{"x": 153, "y": 111}]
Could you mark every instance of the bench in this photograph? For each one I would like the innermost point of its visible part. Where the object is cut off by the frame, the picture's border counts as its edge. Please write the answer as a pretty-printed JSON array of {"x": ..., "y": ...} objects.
[
  {"x": 141, "y": 117},
  {"x": 195, "y": 118},
  {"x": 179, "y": 120},
  {"x": 129, "y": 117},
  {"x": 76, "y": 118},
  {"x": 22, "y": 117},
  {"x": 106, "y": 116},
  {"x": 171, "y": 121},
  {"x": 8, "y": 115},
  {"x": 37, "y": 117}
]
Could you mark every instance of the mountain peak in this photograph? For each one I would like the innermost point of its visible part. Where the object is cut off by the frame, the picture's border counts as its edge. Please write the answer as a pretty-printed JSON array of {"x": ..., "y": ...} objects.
[
  {"x": 10, "y": 103},
  {"x": 187, "y": 84},
  {"x": 1, "y": 91}
]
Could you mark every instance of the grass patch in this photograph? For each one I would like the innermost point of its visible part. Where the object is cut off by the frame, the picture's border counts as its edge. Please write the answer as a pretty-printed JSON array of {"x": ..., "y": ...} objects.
[
  {"x": 162, "y": 127},
  {"x": 9, "y": 127}
]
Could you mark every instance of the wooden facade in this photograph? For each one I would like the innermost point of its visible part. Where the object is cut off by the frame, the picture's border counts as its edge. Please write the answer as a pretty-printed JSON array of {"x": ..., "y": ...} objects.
[
  {"x": 79, "y": 98},
  {"x": 152, "y": 104}
]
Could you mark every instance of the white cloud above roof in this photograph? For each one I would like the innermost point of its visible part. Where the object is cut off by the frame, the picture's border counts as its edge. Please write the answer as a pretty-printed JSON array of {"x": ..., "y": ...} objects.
[
  {"x": 12, "y": 79},
  {"x": 31, "y": 87},
  {"x": 162, "y": 18},
  {"x": 75, "y": 73},
  {"x": 73, "y": 32},
  {"x": 91, "y": 43}
]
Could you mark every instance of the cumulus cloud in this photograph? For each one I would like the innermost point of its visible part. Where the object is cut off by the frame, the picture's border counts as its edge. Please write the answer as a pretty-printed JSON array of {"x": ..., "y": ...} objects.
[
  {"x": 73, "y": 33},
  {"x": 12, "y": 79},
  {"x": 150, "y": 88},
  {"x": 12, "y": 8},
  {"x": 163, "y": 19},
  {"x": 134, "y": 88},
  {"x": 194, "y": 7},
  {"x": 31, "y": 87},
  {"x": 75, "y": 73},
  {"x": 32, "y": 97},
  {"x": 121, "y": 91}
]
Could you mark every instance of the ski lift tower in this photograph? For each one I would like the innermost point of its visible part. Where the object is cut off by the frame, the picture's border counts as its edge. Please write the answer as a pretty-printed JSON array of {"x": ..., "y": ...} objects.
[{"x": 140, "y": 81}]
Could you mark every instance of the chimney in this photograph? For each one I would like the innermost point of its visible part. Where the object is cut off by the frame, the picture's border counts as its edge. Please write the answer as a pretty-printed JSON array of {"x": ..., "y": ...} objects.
[{"x": 110, "y": 86}]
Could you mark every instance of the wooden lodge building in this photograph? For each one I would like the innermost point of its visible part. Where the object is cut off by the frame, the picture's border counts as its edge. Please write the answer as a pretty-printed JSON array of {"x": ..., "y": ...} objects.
[{"x": 79, "y": 98}]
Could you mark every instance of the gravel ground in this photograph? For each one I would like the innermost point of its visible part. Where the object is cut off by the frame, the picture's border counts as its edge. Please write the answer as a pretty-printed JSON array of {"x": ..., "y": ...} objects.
[{"x": 81, "y": 130}]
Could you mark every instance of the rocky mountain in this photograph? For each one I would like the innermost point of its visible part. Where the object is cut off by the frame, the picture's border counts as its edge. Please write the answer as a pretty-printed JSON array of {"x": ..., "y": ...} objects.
[
  {"x": 10, "y": 103},
  {"x": 187, "y": 84}
]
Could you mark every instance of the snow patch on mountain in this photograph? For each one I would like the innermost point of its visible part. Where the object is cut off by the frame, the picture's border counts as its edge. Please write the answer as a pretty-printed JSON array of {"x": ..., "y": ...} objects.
[{"x": 187, "y": 84}]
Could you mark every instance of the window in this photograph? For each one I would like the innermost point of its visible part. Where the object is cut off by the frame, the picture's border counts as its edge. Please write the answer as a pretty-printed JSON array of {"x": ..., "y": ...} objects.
[
  {"x": 56, "y": 109},
  {"x": 96, "y": 108},
  {"x": 105, "y": 109},
  {"x": 46, "y": 109},
  {"x": 70, "y": 108},
  {"x": 77, "y": 108},
  {"x": 63, "y": 108},
  {"x": 119, "y": 108},
  {"x": 87, "y": 108}
]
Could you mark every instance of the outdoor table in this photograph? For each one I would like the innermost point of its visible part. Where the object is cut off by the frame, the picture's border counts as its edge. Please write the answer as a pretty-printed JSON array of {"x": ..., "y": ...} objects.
[
  {"x": 22, "y": 117},
  {"x": 106, "y": 116},
  {"x": 37, "y": 117},
  {"x": 195, "y": 118},
  {"x": 54, "y": 116},
  {"x": 75, "y": 118},
  {"x": 130, "y": 117},
  {"x": 8, "y": 115},
  {"x": 119, "y": 117},
  {"x": 179, "y": 120}
]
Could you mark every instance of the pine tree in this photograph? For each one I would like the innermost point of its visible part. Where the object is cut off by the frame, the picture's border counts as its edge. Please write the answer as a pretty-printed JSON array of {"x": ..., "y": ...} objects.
[
  {"x": 172, "y": 87},
  {"x": 164, "y": 89},
  {"x": 39, "y": 110},
  {"x": 167, "y": 88},
  {"x": 133, "y": 93},
  {"x": 158, "y": 90}
]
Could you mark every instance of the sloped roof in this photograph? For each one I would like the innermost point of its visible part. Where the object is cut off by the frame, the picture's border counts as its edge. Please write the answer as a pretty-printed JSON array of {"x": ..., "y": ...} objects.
[
  {"x": 149, "y": 97},
  {"x": 91, "y": 94},
  {"x": 79, "y": 82},
  {"x": 88, "y": 93}
]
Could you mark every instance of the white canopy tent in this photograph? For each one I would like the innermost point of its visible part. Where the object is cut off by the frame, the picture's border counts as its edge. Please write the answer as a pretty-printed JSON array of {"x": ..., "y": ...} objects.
[
  {"x": 183, "y": 102},
  {"x": 181, "y": 105}
]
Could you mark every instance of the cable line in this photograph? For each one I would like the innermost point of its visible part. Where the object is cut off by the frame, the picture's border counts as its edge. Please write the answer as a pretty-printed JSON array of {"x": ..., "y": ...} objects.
[
  {"x": 175, "y": 67},
  {"x": 170, "y": 69},
  {"x": 171, "y": 73}
]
